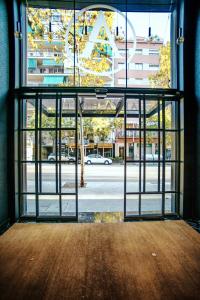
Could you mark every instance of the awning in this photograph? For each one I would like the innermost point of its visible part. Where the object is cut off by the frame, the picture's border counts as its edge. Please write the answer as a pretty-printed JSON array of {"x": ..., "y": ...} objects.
[
  {"x": 32, "y": 63},
  {"x": 132, "y": 5},
  {"x": 52, "y": 62},
  {"x": 53, "y": 79}
]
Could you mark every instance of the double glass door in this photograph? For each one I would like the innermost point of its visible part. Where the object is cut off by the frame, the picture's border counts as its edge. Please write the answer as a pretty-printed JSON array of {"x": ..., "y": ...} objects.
[{"x": 147, "y": 144}]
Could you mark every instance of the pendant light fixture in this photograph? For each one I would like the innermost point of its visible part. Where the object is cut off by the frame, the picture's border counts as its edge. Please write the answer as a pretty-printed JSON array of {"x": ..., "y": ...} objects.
[{"x": 149, "y": 31}]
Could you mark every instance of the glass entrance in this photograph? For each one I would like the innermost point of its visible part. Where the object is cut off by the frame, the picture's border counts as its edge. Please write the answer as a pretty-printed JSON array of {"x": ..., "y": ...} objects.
[{"x": 98, "y": 152}]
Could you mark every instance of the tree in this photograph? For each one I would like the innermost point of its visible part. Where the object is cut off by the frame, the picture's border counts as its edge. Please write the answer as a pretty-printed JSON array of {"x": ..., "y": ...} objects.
[{"x": 162, "y": 78}]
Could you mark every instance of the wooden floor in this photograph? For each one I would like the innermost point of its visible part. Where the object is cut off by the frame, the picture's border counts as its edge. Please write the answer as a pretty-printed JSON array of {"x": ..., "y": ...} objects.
[{"x": 142, "y": 260}]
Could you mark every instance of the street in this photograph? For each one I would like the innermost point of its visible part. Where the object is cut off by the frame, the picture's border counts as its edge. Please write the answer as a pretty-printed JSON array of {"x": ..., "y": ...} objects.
[{"x": 103, "y": 191}]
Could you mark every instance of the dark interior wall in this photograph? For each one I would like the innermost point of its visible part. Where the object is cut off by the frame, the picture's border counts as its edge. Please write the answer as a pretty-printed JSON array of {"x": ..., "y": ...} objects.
[
  {"x": 4, "y": 88},
  {"x": 197, "y": 97},
  {"x": 191, "y": 61}
]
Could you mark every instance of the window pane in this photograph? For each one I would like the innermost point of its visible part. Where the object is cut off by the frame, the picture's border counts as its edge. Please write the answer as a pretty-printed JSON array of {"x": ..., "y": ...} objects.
[
  {"x": 68, "y": 182},
  {"x": 132, "y": 177},
  {"x": 28, "y": 177},
  {"x": 48, "y": 178},
  {"x": 28, "y": 115},
  {"x": 170, "y": 203},
  {"x": 100, "y": 54},
  {"x": 48, "y": 145},
  {"x": 68, "y": 113},
  {"x": 151, "y": 204},
  {"x": 28, "y": 205},
  {"x": 28, "y": 145},
  {"x": 68, "y": 205},
  {"x": 48, "y": 113},
  {"x": 151, "y": 177},
  {"x": 48, "y": 205},
  {"x": 132, "y": 205}
]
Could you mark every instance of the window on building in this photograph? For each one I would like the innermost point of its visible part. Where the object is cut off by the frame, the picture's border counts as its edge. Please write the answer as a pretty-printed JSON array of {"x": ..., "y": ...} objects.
[
  {"x": 121, "y": 81},
  {"x": 153, "y": 67},
  {"x": 121, "y": 65},
  {"x": 138, "y": 51},
  {"x": 138, "y": 66},
  {"x": 153, "y": 51}
]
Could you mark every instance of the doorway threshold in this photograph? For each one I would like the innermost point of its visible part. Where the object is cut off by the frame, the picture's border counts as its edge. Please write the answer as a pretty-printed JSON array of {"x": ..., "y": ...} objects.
[{"x": 101, "y": 217}]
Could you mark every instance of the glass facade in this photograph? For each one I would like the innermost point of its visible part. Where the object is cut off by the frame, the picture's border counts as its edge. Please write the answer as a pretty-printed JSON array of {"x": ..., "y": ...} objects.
[{"x": 97, "y": 46}]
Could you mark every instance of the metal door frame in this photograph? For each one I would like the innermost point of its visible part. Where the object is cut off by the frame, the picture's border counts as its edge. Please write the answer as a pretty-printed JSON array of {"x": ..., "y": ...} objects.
[{"x": 161, "y": 98}]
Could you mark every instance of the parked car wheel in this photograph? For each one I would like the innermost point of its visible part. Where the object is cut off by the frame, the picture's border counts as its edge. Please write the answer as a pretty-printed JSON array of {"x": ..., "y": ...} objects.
[
  {"x": 106, "y": 162},
  {"x": 71, "y": 160},
  {"x": 51, "y": 159},
  {"x": 89, "y": 162}
]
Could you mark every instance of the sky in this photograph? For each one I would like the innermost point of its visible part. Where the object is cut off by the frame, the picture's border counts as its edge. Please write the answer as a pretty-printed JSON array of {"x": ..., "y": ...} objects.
[{"x": 159, "y": 23}]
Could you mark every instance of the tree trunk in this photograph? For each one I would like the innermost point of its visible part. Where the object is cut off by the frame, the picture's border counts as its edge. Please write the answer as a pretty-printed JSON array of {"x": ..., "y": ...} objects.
[{"x": 82, "y": 182}]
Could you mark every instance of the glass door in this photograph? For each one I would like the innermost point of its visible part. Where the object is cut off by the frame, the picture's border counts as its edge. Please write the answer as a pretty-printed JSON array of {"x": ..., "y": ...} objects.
[
  {"x": 48, "y": 157},
  {"x": 151, "y": 130}
]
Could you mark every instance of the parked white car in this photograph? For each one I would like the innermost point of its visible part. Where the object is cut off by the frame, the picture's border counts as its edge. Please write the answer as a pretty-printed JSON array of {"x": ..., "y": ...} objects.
[
  {"x": 52, "y": 157},
  {"x": 97, "y": 159}
]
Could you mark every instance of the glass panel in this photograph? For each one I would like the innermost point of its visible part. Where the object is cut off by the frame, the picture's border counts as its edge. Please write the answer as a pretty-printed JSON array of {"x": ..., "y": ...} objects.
[
  {"x": 132, "y": 112},
  {"x": 48, "y": 64},
  {"x": 151, "y": 146},
  {"x": 68, "y": 205},
  {"x": 98, "y": 56},
  {"x": 48, "y": 178},
  {"x": 132, "y": 205},
  {"x": 150, "y": 66},
  {"x": 152, "y": 118},
  {"x": 132, "y": 177},
  {"x": 28, "y": 145},
  {"x": 68, "y": 178},
  {"x": 28, "y": 177},
  {"x": 48, "y": 113},
  {"x": 170, "y": 203},
  {"x": 170, "y": 176},
  {"x": 133, "y": 145},
  {"x": 28, "y": 115},
  {"x": 170, "y": 114},
  {"x": 170, "y": 145},
  {"x": 28, "y": 205},
  {"x": 151, "y": 177},
  {"x": 68, "y": 146},
  {"x": 48, "y": 145},
  {"x": 68, "y": 113},
  {"x": 151, "y": 204},
  {"x": 48, "y": 205}
]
